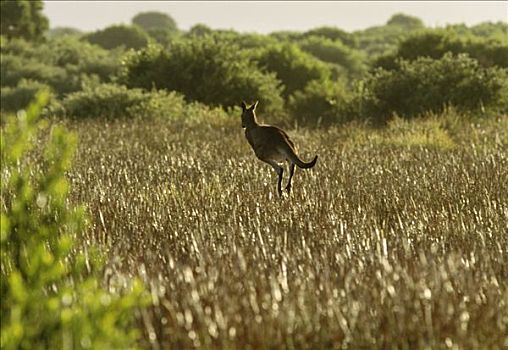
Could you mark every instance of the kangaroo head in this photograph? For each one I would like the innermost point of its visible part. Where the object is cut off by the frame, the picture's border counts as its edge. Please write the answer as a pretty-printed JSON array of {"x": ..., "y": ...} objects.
[{"x": 248, "y": 115}]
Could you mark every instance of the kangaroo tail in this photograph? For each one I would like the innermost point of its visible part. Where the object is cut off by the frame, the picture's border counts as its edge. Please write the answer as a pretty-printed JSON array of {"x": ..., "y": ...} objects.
[
  {"x": 304, "y": 165},
  {"x": 291, "y": 155}
]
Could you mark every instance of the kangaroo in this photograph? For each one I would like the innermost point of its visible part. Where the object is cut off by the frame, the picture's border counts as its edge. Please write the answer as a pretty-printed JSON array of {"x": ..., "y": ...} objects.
[{"x": 272, "y": 145}]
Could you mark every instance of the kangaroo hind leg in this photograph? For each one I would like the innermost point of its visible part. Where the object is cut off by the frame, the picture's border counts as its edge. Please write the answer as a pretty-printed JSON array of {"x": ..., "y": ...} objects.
[
  {"x": 279, "y": 170},
  {"x": 291, "y": 172}
]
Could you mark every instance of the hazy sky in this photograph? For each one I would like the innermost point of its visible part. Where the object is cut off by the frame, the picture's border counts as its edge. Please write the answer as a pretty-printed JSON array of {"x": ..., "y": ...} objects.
[{"x": 268, "y": 16}]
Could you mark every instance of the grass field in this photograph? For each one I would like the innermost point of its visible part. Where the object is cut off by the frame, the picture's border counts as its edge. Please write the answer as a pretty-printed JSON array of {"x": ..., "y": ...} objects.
[{"x": 398, "y": 238}]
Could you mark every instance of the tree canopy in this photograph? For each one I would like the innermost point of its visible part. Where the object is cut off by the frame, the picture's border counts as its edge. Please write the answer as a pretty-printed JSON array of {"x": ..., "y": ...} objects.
[
  {"x": 130, "y": 37},
  {"x": 23, "y": 19},
  {"x": 155, "y": 21}
]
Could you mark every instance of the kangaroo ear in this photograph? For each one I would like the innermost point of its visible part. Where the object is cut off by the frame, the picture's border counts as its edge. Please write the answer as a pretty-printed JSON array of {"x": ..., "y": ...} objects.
[
  {"x": 244, "y": 105},
  {"x": 253, "y": 107}
]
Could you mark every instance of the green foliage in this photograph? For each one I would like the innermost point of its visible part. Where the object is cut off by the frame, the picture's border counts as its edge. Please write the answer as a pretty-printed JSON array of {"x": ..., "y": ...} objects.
[
  {"x": 285, "y": 36},
  {"x": 205, "y": 70},
  {"x": 64, "y": 63},
  {"x": 244, "y": 41},
  {"x": 486, "y": 30},
  {"x": 50, "y": 291},
  {"x": 495, "y": 31},
  {"x": 430, "y": 85},
  {"x": 334, "y": 34},
  {"x": 155, "y": 20},
  {"x": 81, "y": 58},
  {"x": 16, "y": 68},
  {"x": 160, "y": 26},
  {"x": 117, "y": 101},
  {"x": 436, "y": 43},
  {"x": 162, "y": 36},
  {"x": 320, "y": 103},
  {"x": 406, "y": 22},
  {"x": 119, "y": 36},
  {"x": 292, "y": 66},
  {"x": 16, "y": 98},
  {"x": 335, "y": 52},
  {"x": 23, "y": 19},
  {"x": 199, "y": 30},
  {"x": 380, "y": 40},
  {"x": 59, "y": 32}
]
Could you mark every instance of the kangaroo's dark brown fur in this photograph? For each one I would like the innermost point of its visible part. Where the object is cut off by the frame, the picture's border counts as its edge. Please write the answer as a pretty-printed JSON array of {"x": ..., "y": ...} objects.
[{"x": 272, "y": 145}]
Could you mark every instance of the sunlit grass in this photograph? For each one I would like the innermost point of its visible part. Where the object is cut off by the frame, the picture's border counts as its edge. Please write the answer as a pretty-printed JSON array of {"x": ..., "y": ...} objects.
[{"x": 396, "y": 239}]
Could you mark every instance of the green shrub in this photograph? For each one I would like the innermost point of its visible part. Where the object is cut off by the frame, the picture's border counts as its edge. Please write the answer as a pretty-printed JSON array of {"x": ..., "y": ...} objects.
[
  {"x": 380, "y": 40},
  {"x": 199, "y": 30},
  {"x": 23, "y": 19},
  {"x": 436, "y": 43},
  {"x": 63, "y": 63},
  {"x": 405, "y": 22},
  {"x": 320, "y": 103},
  {"x": 335, "y": 34},
  {"x": 59, "y": 32},
  {"x": 155, "y": 20},
  {"x": 292, "y": 66},
  {"x": 205, "y": 70},
  {"x": 16, "y": 68},
  {"x": 50, "y": 291},
  {"x": 116, "y": 36},
  {"x": 497, "y": 31},
  {"x": 16, "y": 98},
  {"x": 118, "y": 101},
  {"x": 335, "y": 52},
  {"x": 78, "y": 57},
  {"x": 430, "y": 85}
]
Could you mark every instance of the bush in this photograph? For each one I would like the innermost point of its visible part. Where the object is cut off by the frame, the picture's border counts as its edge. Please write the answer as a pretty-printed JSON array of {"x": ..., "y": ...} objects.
[
  {"x": 117, "y": 101},
  {"x": 23, "y": 19},
  {"x": 292, "y": 66},
  {"x": 336, "y": 53},
  {"x": 380, "y": 40},
  {"x": 50, "y": 291},
  {"x": 320, "y": 103},
  {"x": 199, "y": 30},
  {"x": 128, "y": 37},
  {"x": 64, "y": 63},
  {"x": 436, "y": 43},
  {"x": 81, "y": 58},
  {"x": 430, "y": 85},
  {"x": 406, "y": 22},
  {"x": 59, "y": 32},
  {"x": 155, "y": 20},
  {"x": 205, "y": 70},
  {"x": 334, "y": 34},
  {"x": 16, "y": 68},
  {"x": 16, "y": 98}
]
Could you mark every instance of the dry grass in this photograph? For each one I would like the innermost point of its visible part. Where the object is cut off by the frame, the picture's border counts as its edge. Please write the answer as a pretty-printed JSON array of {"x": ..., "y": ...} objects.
[{"x": 381, "y": 245}]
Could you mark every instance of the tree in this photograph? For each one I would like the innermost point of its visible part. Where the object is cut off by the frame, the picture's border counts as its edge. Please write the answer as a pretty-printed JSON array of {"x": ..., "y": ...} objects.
[
  {"x": 129, "y": 37},
  {"x": 23, "y": 19},
  {"x": 405, "y": 21},
  {"x": 155, "y": 21},
  {"x": 435, "y": 43},
  {"x": 204, "y": 69},
  {"x": 334, "y": 34},
  {"x": 320, "y": 102},
  {"x": 199, "y": 30},
  {"x": 58, "y": 32},
  {"x": 292, "y": 66},
  {"x": 429, "y": 85},
  {"x": 334, "y": 52}
]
